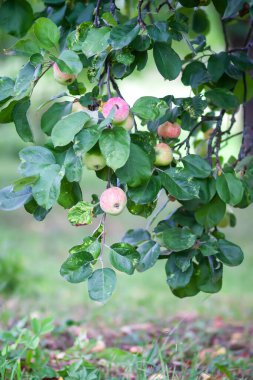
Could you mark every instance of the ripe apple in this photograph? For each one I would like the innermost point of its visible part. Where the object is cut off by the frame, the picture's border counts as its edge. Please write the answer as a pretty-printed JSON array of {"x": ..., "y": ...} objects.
[
  {"x": 121, "y": 109},
  {"x": 113, "y": 200},
  {"x": 94, "y": 160},
  {"x": 164, "y": 155},
  {"x": 127, "y": 124},
  {"x": 169, "y": 130},
  {"x": 61, "y": 77}
]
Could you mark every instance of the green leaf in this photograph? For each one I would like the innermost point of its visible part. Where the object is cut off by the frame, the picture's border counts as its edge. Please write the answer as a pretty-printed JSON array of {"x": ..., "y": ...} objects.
[
  {"x": 81, "y": 214},
  {"x": 209, "y": 215},
  {"x": 233, "y": 6},
  {"x": 16, "y": 17},
  {"x": 72, "y": 60},
  {"x": 189, "y": 290},
  {"x": 47, "y": 189},
  {"x": 102, "y": 284},
  {"x": 24, "y": 80},
  {"x": 6, "y": 89},
  {"x": 137, "y": 236},
  {"x": 34, "y": 159},
  {"x": 167, "y": 60},
  {"x": 12, "y": 200},
  {"x": 239, "y": 89},
  {"x": 6, "y": 113},
  {"x": 96, "y": 41},
  {"x": 90, "y": 244},
  {"x": 137, "y": 169},
  {"x": 230, "y": 253},
  {"x": 86, "y": 139},
  {"x": 178, "y": 239},
  {"x": 200, "y": 22},
  {"x": 20, "y": 120},
  {"x": 158, "y": 32},
  {"x": 195, "y": 74},
  {"x": 149, "y": 108},
  {"x": 123, "y": 35},
  {"x": 183, "y": 260},
  {"x": 53, "y": 115},
  {"x": 70, "y": 193},
  {"x": 149, "y": 253},
  {"x": 47, "y": 33},
  {"x": 197, "y": 166},
  {"x": 147, "y": 192},
  {"x": 229, "y": 188},
  {"x": 222, "y": 98},
  {"x": 217, "y": 65},
  {"x": 65, "y": 129},
  {"x": 210, "y": 278},
  {"x": 178, "y": 183},
  {"x": 175, "y": 277},
  {"x": 77, "y": 268},
  {"x": 124, "y": 257},
  {"x": 141, "y": 210},
  {"x": 20, "y": 183},
  {"x": 27, "y": 47},
  {"x": 73, "y": 166},
  {"x": 208, "y": 248},
  {"x": 115, "y": 147}
]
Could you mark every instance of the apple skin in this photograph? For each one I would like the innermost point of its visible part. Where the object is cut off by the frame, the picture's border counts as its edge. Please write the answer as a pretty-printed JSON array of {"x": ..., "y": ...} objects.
[
  {"x": 77, "y": 107},
  {"x": 169, "y": 130},
  {"x": 113, "y": 200},
  {"x": 62, "y": 78},
  {"x": 164, "y": 155},
  {"x": 121, "y": 109},
  {"x": 94, "y": 160},
  {"x": 127, "y": 124}
]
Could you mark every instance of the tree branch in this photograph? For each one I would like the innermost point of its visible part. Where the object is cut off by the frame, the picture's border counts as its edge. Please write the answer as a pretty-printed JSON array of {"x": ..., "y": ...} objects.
[
  {"x": 139, "y": 18},
  {"x": 96, "y": 19}
]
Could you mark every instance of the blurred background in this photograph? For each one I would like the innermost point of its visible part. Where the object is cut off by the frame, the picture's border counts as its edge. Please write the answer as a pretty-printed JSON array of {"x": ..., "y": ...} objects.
[{"x": 31, "y": 252}]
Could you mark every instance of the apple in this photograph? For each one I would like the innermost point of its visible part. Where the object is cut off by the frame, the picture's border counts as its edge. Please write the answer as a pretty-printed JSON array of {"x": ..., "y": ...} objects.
[
  {"x": 77, "y": 107},
  {"x": 225, "y": 221},
  {"x": 169, "y": 130},
  {"x": 113, "y": 200},
  {"x": 202, "y": 148},
  {"x": 121, "y": 109},
  {"x": 127, "y": 124},
  {"x": 164, "y": 155},
  {"x": 94, "y": 160},
  {"x": 61, "y": 77}
]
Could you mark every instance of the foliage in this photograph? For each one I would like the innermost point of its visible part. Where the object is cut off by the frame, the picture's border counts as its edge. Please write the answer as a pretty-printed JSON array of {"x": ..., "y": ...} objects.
[
  {"x": 37, "y": 349},
  {"x": 107, "y": 44}
]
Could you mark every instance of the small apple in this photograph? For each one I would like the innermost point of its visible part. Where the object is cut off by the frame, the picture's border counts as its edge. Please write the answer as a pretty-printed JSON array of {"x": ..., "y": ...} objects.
[
  {"x": 61, "y": 77},
  {"x": 77, "y": 107},
  {"x": 94, "y": 160},
  {"x": 121, "y": 109},
  {"x": 202, "y": 148},
  {"x": 127, "y": 124},
  {"x": 164, "y": 155},
  {"x": 225, "y": 221},
  {"x": 169, "y": 130},
  {"x": 113, "y": 200}
]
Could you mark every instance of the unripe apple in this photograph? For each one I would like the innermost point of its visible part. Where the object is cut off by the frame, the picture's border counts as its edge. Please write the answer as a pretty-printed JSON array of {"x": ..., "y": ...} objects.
[
  {"x": 121, "y": 109},
  {"x": 77, "y": 107},
  {"x": 169, "y": 130},
  {"x": 94, "y": 160},
  {"x": 164, "y": 155},
  {"x": 113, "y": 200},
  {"x": 61, "y": 77},
  {"x": 202, "y": 148},
  {"x": 225, "y": 221},
  {"x": 127, "y": 124}
]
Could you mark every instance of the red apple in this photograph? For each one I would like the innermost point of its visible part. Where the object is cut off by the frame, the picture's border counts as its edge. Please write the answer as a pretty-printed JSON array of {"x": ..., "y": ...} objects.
[
  {"x": 169, "y": 130},
  {"x": 113, "y": 200},
  {"x": 61, "y": 77},
  {"x": 121, "y": 109}
]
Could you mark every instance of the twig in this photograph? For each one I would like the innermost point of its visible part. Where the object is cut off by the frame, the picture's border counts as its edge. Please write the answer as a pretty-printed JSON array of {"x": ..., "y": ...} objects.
[
  {"x": 103, "y": 239},
  {"x": 139, "y": 18},
  {"x": 108, "y": 76},
  {"x": 216, "y": 133},
  {"x": 113, "y": 10},
  {"x": 162, "y": 5},
  {"x": 41, "y": 75},
  {"x": 232, "y": 136},
  {"x": 96, "y": 19}
]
